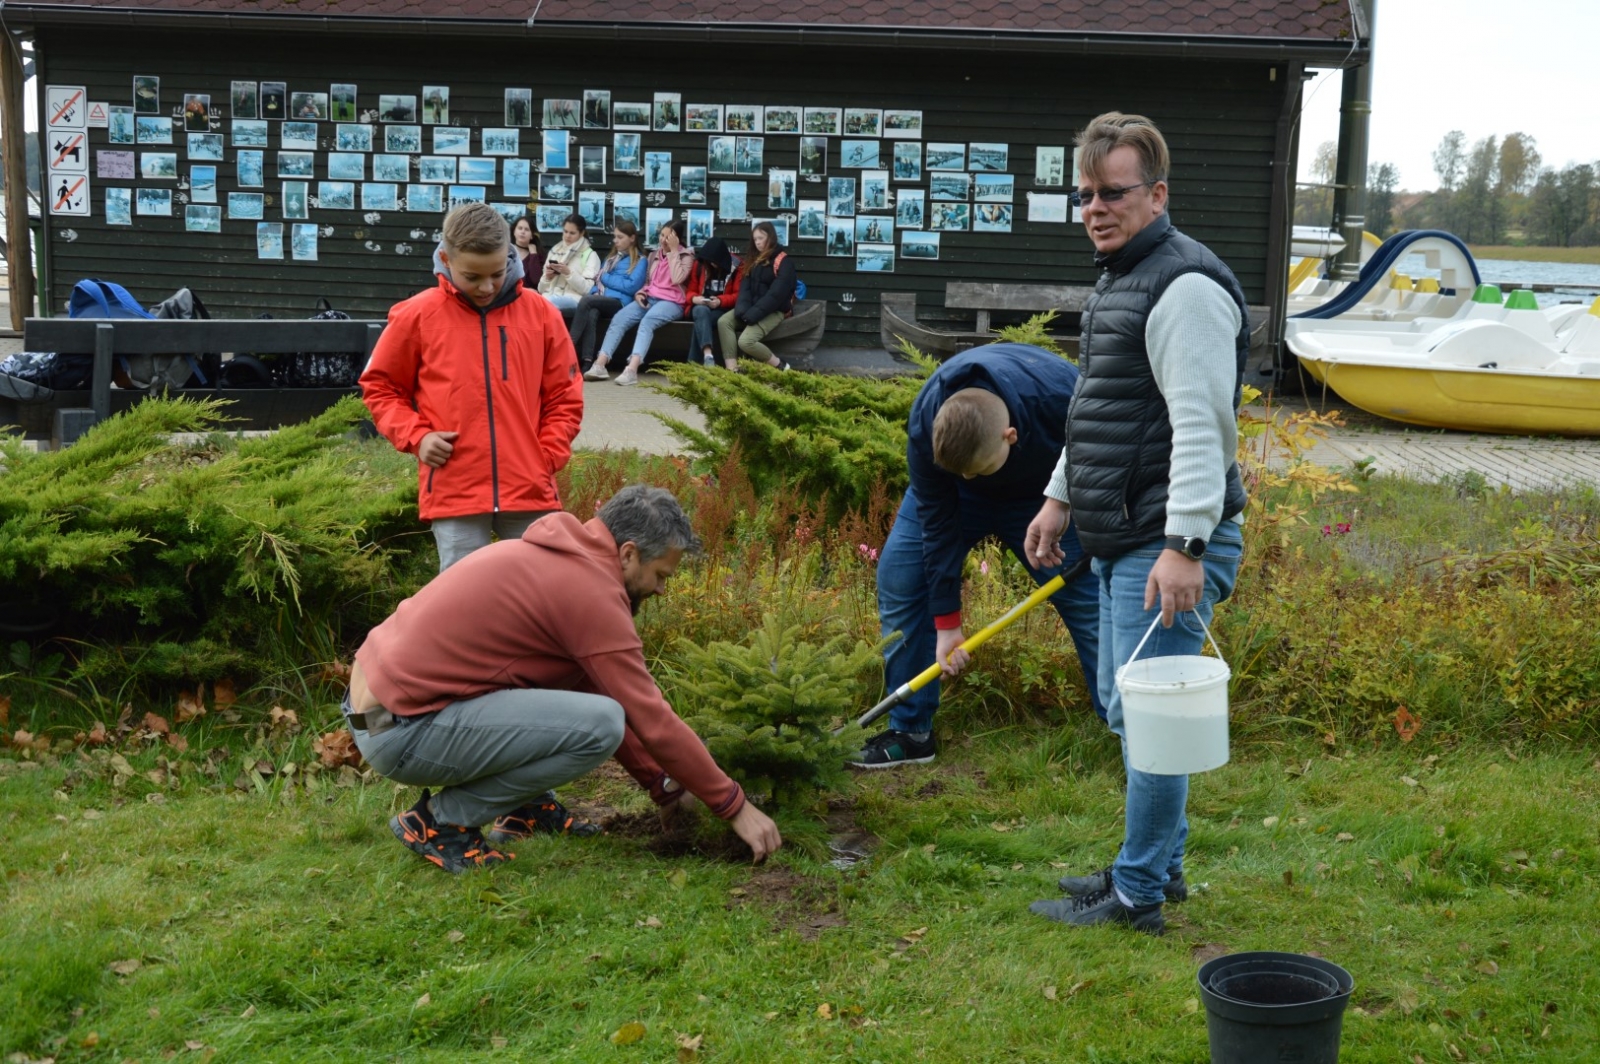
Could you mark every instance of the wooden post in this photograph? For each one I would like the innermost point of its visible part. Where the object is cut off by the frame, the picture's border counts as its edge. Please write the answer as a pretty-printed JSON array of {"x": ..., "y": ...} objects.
[
  {"x": 19, "y": 244},
  {"x": 100, "y": 386}
]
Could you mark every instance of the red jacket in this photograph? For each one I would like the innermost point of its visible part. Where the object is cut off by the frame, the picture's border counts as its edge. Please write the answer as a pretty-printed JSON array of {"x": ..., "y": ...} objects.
[
  {"x": 505, "y": 378},
  {"x": 697, "y": 287}
]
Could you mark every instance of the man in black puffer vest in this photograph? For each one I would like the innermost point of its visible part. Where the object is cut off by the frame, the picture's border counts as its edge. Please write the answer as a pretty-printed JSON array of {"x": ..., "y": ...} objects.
[{"x": 1148, "y": 475}]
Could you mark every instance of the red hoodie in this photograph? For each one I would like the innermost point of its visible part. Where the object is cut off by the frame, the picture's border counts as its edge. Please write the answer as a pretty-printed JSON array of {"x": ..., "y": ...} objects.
[{"x": 547, "y": 611}]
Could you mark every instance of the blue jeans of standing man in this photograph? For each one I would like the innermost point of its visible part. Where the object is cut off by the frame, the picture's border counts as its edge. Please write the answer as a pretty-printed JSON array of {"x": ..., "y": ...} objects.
[
  {"x": 903, "y": 597},
  {"x": 649, "y": 317},
  {"x": 1156, "y": 828}
]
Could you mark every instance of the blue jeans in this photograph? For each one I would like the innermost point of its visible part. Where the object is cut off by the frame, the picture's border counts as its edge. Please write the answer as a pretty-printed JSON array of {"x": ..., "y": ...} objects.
[
  {"x": 903, "y": 598},
  {"x": 1156, "y": 828},
  {"x": 649, "y": 318},
  {"x": 705, "y": 331}
]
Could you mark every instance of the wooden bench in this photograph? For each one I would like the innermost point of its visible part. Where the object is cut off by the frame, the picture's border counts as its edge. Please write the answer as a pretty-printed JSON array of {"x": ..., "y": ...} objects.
[
  {"x": 795, "y": 337},
  {"x": 255, "y": 408}
]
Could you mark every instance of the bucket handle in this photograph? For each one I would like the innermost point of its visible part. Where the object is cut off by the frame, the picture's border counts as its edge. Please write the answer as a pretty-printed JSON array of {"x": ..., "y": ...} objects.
[{"x": 1203, "y": 627}]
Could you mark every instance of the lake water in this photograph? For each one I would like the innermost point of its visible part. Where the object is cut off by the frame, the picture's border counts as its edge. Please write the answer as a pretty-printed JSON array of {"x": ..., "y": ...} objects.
[{"x": 1580, "y": 282}]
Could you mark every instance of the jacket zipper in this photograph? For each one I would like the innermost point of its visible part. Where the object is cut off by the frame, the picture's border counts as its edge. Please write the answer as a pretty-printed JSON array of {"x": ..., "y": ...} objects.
[
  {"x": 503, "y": 370},
  {"x": 488, "y": 395}
]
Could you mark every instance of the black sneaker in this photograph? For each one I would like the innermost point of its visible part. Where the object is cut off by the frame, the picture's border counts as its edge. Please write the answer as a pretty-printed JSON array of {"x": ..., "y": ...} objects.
[
  {"x": 892, "y": 749},
  {"x": 544, "y": 815},
  {"x": 1101, "y": 907},
  {"x": 1095, "y": 882},
  {"x": 451, "y": 847}
]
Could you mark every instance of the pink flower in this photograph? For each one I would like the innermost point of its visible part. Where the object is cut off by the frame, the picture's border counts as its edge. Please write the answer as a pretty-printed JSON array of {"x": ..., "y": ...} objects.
[
  {"x": 866, "y": 552},
  {"x": 983, "y": 567}
]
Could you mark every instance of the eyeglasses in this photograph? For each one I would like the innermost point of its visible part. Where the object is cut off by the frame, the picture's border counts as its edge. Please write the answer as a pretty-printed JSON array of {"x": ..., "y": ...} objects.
[{"x": 1084, "y": 197}]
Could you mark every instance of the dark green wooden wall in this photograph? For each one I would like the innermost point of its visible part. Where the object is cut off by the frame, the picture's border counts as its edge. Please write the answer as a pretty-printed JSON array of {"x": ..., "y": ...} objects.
[{"x": 1219, "y": 119}]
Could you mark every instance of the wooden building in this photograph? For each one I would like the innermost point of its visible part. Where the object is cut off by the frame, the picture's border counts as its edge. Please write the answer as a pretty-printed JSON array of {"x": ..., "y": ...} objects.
[{"x": 949, "y": 120}]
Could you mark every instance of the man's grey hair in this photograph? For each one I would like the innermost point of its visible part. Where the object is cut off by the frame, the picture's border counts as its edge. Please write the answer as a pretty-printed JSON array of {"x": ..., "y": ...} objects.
[{"x": 651, "y": 519}]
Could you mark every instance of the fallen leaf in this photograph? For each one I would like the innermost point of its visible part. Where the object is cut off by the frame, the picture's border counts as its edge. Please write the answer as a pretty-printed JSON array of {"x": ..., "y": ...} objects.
[
  {"x": 455, "y": 936},
  {"x": 678, "y": 878},
  {"x": 127, "y": 967},
  {"x": 930, "y": 847},
  {"x": 194, "y": 1044},
  {"x": 915, "y": 936},
  {"x": 283, "y": 720},
  {"x": 5, "y": 710},
  {"x": 337, "y": 748},
  {"x": 825, "y": 1011},
  {"x": 691, "y": 1044},
  {"x": 157, "y": 724},
  {"x": 1017, "y": 867},
  {"x": 90, "y": 1040},
  {"x": 1050, "y": 993},
  {"x": 498, "y": 1042},
  {"x": 1270, "y": 822},
  {"x": 1488, "y": 968},
  {"x": 247, "y": 1013},
  {"x": 649, "y": 921},
  {"x": 1408, "y": 781},
  {"x": 628, "y": 1033},
  {"x": 1344, "y": 836},
  {"x": 336, "y": 672},
  {"x": 738, "y": 892},
  {"x": 191, "y": 704},
  {"x": 1191, "y": 1006},
  {"x": 178, "y": 743},
  {"x": 97, "y": 735},
  {"x": 21, "y": 738},
  {"x": 489, "y": 897},
  {"x": 1000, "y": 827},
  {"x": 424, "y": 1001},
  {"x": 223, "y": 694},
  {"x": 1406, "y": 724}
]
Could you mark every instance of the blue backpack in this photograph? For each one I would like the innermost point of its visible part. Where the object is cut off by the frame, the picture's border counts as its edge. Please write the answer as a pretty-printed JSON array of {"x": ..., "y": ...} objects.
[{"x": 94, "y": 298}]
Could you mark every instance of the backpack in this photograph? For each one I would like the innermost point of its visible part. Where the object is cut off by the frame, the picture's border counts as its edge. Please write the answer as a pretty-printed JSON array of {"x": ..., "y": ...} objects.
[
  {"x": 93, "y": 298},
  {"x": 799, "y": 285},
  {"x": 310, "y": 369}
]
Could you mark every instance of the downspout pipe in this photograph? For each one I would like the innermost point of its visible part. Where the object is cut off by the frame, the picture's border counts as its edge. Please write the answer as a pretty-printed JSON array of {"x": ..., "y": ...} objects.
[{"x": 1350, "y": 172}]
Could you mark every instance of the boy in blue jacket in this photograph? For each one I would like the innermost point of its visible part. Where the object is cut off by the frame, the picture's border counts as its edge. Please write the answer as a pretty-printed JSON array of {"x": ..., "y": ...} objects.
[{"x": 983, "y": 439}]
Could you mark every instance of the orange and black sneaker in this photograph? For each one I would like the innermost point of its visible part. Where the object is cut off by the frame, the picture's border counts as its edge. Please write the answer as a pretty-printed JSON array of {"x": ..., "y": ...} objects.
[
  {"x": 451, "y": 847},
  {"x": 544, "y": 815}
]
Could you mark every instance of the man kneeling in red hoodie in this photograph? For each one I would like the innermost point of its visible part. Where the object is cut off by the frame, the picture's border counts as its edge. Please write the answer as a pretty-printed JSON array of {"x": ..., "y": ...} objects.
[{"x": 519, "y": 669}]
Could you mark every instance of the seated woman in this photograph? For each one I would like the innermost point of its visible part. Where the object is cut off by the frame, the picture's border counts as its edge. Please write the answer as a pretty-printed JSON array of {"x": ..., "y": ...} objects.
[
  {"x": 570, "y": 267},
  {"x": 766, "y": 295},
  {"x": 661, "y": 300},
  {"x": 712, "y": 289},
  {"x": 529, "y": 250},
  {"x": 620, "y": 280}
]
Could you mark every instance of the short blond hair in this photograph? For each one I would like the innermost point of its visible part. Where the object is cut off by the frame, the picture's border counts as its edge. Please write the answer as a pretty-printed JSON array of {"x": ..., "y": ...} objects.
[
  {"x": 1105, "y": 133},
  {"x": 967, "y": 428},
  {"x": 476, "y": 229}
]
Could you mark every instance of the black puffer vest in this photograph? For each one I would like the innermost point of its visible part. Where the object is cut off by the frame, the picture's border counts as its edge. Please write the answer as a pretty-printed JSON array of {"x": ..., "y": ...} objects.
[{"x": 1119, "y": 434}]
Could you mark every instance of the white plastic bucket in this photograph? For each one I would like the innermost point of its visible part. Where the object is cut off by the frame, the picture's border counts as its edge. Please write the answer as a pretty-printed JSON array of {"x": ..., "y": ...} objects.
[{"x": 1175, "y": 711}]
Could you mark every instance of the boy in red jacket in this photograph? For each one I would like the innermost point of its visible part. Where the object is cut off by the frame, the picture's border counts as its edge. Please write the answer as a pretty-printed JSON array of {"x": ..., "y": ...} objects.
[{"x": 478, "y": 379}]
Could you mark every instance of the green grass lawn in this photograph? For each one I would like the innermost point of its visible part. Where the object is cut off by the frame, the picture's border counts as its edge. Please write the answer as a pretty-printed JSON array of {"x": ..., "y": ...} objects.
[{"x": 159, "y": 912}]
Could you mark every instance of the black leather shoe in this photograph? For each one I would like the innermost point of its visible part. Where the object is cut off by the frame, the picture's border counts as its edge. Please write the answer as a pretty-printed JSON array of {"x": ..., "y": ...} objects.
[{"x": 1095, "y": 882}]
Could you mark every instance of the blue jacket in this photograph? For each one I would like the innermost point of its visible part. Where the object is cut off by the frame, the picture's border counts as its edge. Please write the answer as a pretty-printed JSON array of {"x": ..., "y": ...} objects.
[
  {"x": 1037, "y": 388},
  {"x": 617, "y": 280}
]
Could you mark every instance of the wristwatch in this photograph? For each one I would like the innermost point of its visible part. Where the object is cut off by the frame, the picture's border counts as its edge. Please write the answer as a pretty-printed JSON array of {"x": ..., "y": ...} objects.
[{"x": 1191, "y": 547}]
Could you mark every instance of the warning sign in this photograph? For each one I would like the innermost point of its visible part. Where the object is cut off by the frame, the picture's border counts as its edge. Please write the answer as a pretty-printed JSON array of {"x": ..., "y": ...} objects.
[
  {"x": 69, "y": 151},
  {"x": 69, "y": 194},
  {"x": 66, "y": 107},
  {"x": 99, "y": 116}
]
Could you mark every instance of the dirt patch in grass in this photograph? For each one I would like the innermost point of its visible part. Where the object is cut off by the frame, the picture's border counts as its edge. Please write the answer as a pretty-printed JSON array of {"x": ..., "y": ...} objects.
[
  {"x": 795, "y": 903},
  {"x": 713, "y": 841},
  {"x": 1207, "y": 951}
]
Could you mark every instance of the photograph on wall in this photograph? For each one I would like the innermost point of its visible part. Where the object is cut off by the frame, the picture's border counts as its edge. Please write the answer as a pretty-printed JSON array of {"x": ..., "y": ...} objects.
[
  {"x": 269, "y": 240},
  {"x": 549, "y": 219},
  {"x": 556, "y": 149},
  {"x": 196, "y": 112},
  {"x": 202, "y": 184},
  {"x": 120, "y": 127},
  {"x": 158, "y": 165},
  {"x": 298, "y": 136},
  {"x": 387, "y": 167},
  {"x": 988, "y": 156},
  {"x": 435, "y": 105},
  {"x": 347, "y": 166},
  {"x": 875, "y": 190},
  {"x": 437, "y": 169},
  {"x": 342, "y": 102},
  {"x": 250, "y": 168},
  {"x": 956, "y": 216},
  {"x": 556, "y": 187},
  {"x": 700, "y": 227},
  {"x": 702, "y": 118},
  {"x": 781, "y": 119},
  {"x": 874, "y": 258},
  {"x": 397, "y": 108},
  {"x": 658, "y": 171},
  {"x": 596, "y": 109},
  {"x": 592, "y": 165},
  {"x": 303, "y": 242},
  {"x": 813, "y": 156},
  {"x": 452, "y": 140},
  {"x": 862, "y": 153},
  {"x": 911, "y": 208},
  {"x": 119, "y": 206},
  {"x": 991, "y": 217},
  {"x": 244, "y": 100},
  {"x": 380, "y": 196},
  {"x": 1050, "y": 165},
  {"x": 309, "y": 106},
  {"x": 154, "y": 202},
  {"x": 116, "y": 165},
  {"x": 296, "y": 199},
  {"x": 146, "y": 95},
  {"x": 942, "y": 156},
  {"x": 842, "y": 197},
  {"x": 456, "y": 195},
  {"x": 336, "y": 195},
  {"x": 477, "y": 171},
  {"x": 749, "y": 155},
  {"x": 779, "y": 224},
  {"x": 654, "y": 219},
  {"x": 907, "y": 162},
  {"x": 511, "y": 212},
  {"x": 743, "y": 118},
  {"x": 625, "y": 157},
  {"x": 515, "y": 177},
  {"x": 924, "y": 246},
  {"x": 781, "y": 190},
  {"x": 719, "y": 155},
  {"x": 841, "y": 238},
  {"x": 154, "y": 130},
  {"x": 993, "y": 188},
  {"x": 625, "y": 207},
  {"x": 666, "y": 116},
  {"x": 592, "y": 205},
  {"x": 202, "y": 219},
  {"x": 206, "y": 146},
  {"x": 246, "y": 206},
  {"x": 353, "y": 138},
  {"x": 424, "y": 199},
  {"x": 732, "y": 200},
  {"x": 874, "y": 228},
  {"x": 274, "y": 100},
  {"x": 561, "y": 113},
  {"x": 823, "y": 121},
  {"x": 811, "y": 220},
  {"x": 950, "y": 187},
  {"x": 249, "y": 133},
  {"x": 498, "y": 140},
  {"x": 630, "y": 116},
  {"x": 863, "y": 122},
  {"x": 903, "y": 124},
  {"x": 1047, "y": 207},
  {"x": 402, "y": 139},
  {"x": 692, "y": 184}
]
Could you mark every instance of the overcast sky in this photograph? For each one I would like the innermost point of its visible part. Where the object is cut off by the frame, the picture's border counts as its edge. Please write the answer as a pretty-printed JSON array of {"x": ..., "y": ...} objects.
[{"x": 1485, "y": 67}]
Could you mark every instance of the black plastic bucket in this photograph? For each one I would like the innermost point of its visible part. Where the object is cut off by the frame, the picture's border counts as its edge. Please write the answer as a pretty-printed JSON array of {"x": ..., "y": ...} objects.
[{"x": 1274, "y": 1008}]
